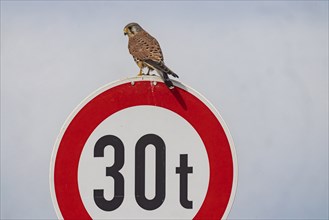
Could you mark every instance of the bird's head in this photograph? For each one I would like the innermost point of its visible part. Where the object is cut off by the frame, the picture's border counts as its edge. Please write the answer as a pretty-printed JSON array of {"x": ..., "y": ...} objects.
[{"x": 131, "y": 29}]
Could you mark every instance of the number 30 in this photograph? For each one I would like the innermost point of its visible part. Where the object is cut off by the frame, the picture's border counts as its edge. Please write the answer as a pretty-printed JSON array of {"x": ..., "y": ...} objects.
[{"x": 114, "y": 172}]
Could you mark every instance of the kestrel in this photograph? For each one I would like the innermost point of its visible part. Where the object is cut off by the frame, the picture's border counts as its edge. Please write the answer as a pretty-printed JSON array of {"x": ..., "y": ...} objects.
[{"x": 146, "y": 52}]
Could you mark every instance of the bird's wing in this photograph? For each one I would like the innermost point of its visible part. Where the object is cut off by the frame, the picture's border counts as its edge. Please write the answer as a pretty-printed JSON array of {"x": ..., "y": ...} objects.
[
  {"x": 143, "y": 46},
  {"x": 159, "y": 65}
]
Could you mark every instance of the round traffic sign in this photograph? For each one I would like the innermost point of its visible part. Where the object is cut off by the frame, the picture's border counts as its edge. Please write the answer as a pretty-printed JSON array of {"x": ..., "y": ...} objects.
[{"x": 136, "y": 150}]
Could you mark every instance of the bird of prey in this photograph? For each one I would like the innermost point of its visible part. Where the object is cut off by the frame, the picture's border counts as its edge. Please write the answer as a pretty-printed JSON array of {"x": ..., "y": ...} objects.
[{"x": 146, "y": 52}]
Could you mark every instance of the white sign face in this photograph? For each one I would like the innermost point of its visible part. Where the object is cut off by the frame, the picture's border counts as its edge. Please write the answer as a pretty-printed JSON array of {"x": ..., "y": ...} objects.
[{"x": 182, "y": 183}]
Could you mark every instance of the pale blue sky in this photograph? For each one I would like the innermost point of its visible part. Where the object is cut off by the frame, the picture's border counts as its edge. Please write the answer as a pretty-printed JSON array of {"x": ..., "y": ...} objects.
[{"x": 263, "y": 65}]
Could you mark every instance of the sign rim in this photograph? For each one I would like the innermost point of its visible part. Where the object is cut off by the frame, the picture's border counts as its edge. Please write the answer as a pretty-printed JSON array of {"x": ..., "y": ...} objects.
[{"x": 153, "y": 80}]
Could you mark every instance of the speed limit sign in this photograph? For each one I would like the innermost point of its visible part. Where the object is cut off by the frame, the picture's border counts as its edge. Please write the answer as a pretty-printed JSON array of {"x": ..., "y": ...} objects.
[{"x": 136, "y": 150}]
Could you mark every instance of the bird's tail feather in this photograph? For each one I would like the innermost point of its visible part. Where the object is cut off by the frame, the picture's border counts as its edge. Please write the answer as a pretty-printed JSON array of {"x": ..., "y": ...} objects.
[{"x": 167, "y": 81}]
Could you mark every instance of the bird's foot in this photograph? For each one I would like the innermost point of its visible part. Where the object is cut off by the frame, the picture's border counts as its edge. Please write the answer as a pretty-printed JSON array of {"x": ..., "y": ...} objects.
[{"x": 140, "y": 73}]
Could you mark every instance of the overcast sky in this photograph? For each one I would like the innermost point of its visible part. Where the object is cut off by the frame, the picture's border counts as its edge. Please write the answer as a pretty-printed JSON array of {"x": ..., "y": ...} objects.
[{"x": 262, "y": 64}]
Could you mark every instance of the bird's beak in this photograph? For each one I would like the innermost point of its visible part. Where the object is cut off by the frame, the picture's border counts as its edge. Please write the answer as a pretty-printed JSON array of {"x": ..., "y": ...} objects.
[{"x": 125, "y": 31}]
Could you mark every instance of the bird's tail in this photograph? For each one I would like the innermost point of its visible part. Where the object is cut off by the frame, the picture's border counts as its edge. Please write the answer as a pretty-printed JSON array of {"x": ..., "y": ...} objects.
[{"x": 167, "y": 81}]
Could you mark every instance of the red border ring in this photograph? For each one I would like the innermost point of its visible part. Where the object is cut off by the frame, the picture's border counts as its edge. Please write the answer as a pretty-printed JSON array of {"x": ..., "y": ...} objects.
[{"x": 136, "y": 91}]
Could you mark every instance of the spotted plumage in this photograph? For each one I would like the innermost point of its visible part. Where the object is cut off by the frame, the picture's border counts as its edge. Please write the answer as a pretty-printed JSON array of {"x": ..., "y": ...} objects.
[{"x": 146, "y": 52}]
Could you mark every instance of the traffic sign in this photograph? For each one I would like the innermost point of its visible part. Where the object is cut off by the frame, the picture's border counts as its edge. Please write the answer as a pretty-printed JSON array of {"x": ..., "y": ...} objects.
[{"x": 136, "y": 150}]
